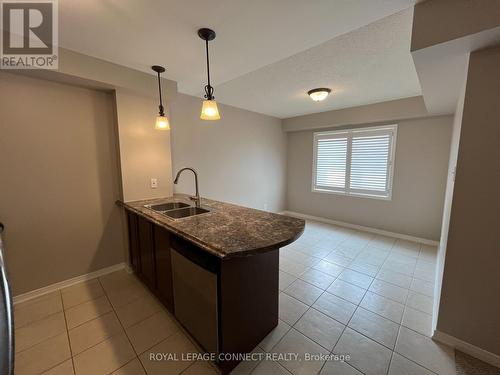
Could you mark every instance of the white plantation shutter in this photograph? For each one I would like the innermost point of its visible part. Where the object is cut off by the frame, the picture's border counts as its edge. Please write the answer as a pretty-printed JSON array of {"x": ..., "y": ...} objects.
[
  {"x": 370, "y": 157},
  {"x": 355, "y": 162},
  {"x": 331, "y": 163}
]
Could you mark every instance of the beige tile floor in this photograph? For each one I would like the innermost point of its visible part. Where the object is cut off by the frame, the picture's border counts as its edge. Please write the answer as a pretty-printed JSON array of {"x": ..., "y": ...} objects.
[{"x": 342, "y": 292}]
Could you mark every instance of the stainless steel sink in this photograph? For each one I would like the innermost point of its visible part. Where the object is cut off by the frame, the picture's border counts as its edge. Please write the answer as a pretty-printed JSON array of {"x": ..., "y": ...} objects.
[
  {"x": 166, "y": 206},
  {"x": 185, "y": 212},
  {"x": 177, "y": 210}
]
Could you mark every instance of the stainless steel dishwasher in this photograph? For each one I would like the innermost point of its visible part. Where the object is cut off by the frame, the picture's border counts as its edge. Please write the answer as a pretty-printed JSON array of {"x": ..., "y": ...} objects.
[
  {"x": 6, "y": 318},
  {"x": 195, "y": 300}
]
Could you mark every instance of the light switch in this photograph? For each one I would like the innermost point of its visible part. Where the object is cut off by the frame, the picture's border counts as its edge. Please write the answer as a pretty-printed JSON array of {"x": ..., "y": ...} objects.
[{"x": 154, "y": 183}]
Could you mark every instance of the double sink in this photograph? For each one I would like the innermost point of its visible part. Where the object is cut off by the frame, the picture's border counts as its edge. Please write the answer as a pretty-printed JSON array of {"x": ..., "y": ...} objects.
[{"x": 176, "y": 210}]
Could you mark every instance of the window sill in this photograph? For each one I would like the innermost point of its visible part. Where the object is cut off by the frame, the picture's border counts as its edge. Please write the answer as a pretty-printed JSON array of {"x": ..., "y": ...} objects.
[{"x": 354, "y": 195}]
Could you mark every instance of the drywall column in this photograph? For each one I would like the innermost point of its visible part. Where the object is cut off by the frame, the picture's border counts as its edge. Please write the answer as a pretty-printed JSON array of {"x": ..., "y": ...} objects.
[
  {"x": 469, "y": 307},
  {"x": 144, "y": 151},
  {"x": 450, "y": 184}
]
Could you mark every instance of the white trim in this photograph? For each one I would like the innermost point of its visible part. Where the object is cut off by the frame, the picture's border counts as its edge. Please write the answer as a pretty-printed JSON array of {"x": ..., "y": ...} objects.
[
  {"x": 424, "y": 241},
  {"x": 354, "y": 195},
  {"x": 483, "y": 355},
  {"x": 63, "y": 284}
]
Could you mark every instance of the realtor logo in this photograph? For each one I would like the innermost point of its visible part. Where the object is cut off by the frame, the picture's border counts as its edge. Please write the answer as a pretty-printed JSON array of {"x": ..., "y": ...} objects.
[{"x": 29, "y": 34}]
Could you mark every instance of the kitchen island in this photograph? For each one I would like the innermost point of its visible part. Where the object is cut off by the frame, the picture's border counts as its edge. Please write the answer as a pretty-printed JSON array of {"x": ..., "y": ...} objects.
[{"x": 217, "y": 271}]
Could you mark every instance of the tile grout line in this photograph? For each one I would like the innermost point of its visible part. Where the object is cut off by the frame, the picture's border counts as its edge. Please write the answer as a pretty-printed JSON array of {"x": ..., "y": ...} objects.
[
  {"x": 90, "y": 320},
  {"x": 67, "y": 334},
  {"x": 38, "y": 320},
  {"x": 59, "y": 363},
  {"x": 102, "y": 339},
  {"x": 149, "y": 316},
  {"x": 45, "y": 338},
  {"x": 124, "y": 331},
  {"x": 95, "y": 318},
  {"x": 392, "y": 352},
  {"x": 292, "y": 326},
  {"x": 359, "y": 306},
  {"x": 374, "y": 312},
  {"x": 63, "y": 311},
  {"x": 409, "y": 359},
  {"x": 133, "y": 359},
  {"x": 345, "y": 327},
  {"x": 277, "y": 363}
]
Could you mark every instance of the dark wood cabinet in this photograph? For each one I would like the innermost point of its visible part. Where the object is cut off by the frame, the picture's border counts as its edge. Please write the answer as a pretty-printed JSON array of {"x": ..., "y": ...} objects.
[
  {"x": 150, "y": 247},
  {"x": 163, "y": 240},
  {"x": 146, "y": 251},
  {"x": 133, "y": 239}
]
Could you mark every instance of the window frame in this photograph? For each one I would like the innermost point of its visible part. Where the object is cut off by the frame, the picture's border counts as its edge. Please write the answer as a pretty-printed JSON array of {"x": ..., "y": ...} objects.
[{"x": 349, "y": 133}]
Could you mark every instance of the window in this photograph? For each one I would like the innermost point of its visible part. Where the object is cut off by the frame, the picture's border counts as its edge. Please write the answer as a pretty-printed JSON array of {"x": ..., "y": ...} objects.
[{"x": 355, "y": 162}]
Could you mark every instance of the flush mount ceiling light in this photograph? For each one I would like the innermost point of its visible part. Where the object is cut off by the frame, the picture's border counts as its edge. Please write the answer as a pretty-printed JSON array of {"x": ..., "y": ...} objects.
[
  {"x": 319, "y": 94},
  {"x": 209, "y": 110},
  {"x": 161, "y": 120}
]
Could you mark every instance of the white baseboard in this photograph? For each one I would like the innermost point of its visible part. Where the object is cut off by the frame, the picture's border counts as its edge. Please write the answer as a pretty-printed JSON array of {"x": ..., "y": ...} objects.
[
  {"x": 363, "y": 228},
  {"x": 483, "y": 355},
  {"x": 63, "y": 284}
]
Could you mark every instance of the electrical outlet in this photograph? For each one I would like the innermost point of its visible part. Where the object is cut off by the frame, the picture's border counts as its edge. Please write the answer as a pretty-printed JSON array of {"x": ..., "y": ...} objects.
[{"x": 154, "y": 183}]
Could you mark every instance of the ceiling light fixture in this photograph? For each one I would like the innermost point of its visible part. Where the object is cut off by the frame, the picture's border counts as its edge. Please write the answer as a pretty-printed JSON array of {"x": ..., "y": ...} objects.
[
  {"x": 161, "y": 120},
  {"x": 319, "y": 94},
  {"x": 209, "y": 110}
]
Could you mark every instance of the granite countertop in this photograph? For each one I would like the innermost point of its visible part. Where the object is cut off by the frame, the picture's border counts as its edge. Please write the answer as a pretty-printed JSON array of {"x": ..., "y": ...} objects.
[{"x": 228, "y": 230}]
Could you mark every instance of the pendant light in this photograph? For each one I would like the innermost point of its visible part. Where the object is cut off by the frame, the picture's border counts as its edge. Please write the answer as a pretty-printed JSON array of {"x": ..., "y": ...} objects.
[
  {"x": 161, "y": 120},
  {"x": 209, "y": 110}
]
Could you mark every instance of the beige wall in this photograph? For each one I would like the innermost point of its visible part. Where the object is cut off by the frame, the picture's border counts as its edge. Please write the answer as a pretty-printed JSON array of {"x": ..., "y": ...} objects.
[
  {"x": 240, "y": 159},
  {"x": 144, "y": 151},
  {"x": 393, "y": 110},
  {"x": 469, "y": 305},
  {"x": 421, "y": 162},
  {"x": 59, "y": 181},
  {"x": 438, "y": 21}
]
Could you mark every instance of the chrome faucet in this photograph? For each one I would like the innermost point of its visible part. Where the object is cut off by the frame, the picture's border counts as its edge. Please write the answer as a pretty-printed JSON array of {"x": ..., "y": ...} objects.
[{"x": 196, "y": 199}]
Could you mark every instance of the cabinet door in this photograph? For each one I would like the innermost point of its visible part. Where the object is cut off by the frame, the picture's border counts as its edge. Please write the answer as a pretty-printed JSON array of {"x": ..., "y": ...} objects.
[
  {"x": 146, "y": 250},
  {"x": 163, "y": 267},
  {"x": 133, "y": 237}
]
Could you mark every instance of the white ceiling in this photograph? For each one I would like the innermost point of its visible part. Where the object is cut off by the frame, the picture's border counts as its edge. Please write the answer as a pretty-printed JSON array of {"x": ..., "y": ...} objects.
[
  {"x": 369, "y": 65},
  {"x": 267, "y": 54}
]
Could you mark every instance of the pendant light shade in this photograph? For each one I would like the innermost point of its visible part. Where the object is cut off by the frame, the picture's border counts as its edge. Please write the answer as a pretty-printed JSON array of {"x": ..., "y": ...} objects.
[
  {"x": 162, "y": 122},
  {"x": 209, "y": 109}
]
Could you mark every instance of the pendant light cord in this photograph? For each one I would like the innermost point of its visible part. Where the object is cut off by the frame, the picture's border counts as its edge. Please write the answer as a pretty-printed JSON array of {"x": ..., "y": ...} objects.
[
  {"x": 162, "y": 111},
  {"x": 208, "y": 63},
  {"x": 209, "y": 90}
]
